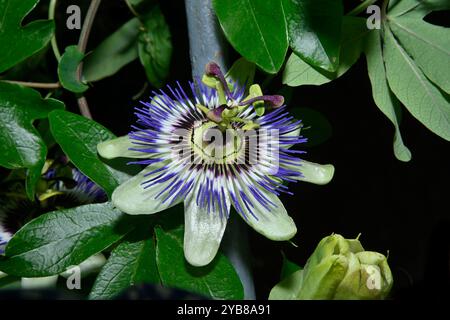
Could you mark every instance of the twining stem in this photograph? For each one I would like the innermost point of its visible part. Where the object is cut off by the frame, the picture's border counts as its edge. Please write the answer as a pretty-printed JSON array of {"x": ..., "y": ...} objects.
[
  {"x": 38, "y": 85},
  {"x": 87, "y": 25},
  {"x": 361, "y": 7},
  {"x": 130, "y": 7},
  {"x": 82, "y": 43},
  {"x": 51, "y": 16}
]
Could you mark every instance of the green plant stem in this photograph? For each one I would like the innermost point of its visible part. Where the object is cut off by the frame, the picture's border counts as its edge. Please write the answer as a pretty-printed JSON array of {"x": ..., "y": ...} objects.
[
  {"x": 82, "y": 43},
  {"x": 51, "y": 16},
  {"x": 361, "y": 7},
  {"x": 38, "y": 85}
]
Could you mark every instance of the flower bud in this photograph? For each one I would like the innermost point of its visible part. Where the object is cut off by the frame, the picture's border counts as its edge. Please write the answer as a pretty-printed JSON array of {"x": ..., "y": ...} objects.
[{"x": 339, "y": 269}]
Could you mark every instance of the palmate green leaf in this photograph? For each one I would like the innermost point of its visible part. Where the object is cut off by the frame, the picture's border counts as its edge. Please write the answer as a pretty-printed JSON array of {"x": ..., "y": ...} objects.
[
  {"x": 416, "y": 8},
  {"x": 132, "y": 262},
  {"x": 314, "y": 29},
  {"x": 428, "y": 45},
  {"x": 67, "y": 70},
  {"x": 218, "y": 280},
  {"x": 21, "y": 146},
  {"x": 297, "y": 72},
  {"x": 256, "y": 29},
  {"x": 78, "y": 137},
  {"x": 425, "y": 102},
  {"x": 155, "y": 46},
  {"x": 113, "y": 53},
  {"x": 17, "y": 42},
  {"x": 382, "y": 95},
  {"x": 55, "y": 241}
]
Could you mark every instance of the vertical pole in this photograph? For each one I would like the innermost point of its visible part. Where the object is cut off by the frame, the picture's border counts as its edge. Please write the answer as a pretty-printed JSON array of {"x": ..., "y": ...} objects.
[{"x": 207, "y": 44}]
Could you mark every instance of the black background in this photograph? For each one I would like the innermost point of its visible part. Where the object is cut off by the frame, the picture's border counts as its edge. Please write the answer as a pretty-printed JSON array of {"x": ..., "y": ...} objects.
[{"x": 397, "y": 207}]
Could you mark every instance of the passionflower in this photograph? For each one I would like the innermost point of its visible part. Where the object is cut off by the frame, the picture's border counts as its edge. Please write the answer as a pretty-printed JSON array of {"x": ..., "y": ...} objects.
[{"x": 211, "y": 150}]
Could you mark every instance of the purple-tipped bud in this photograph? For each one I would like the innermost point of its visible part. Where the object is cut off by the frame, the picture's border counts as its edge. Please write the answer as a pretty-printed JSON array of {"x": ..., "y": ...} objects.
[
  {"x": 212, "y": 69},
  {"x": 216, "y": 114},
  {"x": 275, "y": 101}
]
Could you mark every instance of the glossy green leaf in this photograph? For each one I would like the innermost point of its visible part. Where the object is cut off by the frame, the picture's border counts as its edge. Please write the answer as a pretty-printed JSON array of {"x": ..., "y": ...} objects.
[
  {"x": 21, "y": 146},
  {"x": 382, "y": 95},
  {"x": 416, "y": 8},
  {"x": 67, "y": 70},
  {"x": 113, "y": 53},
  {"x": 19, "y": 42},
  {"x": 256, "y": 29},
  {"x": 132, "y": 262},
  {"x": 78, "y": 137},
  {"x": 57, "y": 240},
  {"x": 414, "y": 90},
  {"x": 218, "y": 280},
  {"x": 428, "y": 45},
  {"x": 155, "y": 47},
  {"x": 314, "y": 29},
  {"x": 297, "y": 72}
]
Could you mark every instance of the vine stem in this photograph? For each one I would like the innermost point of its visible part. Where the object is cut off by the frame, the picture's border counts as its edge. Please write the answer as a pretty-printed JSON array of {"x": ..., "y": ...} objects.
[
  {"x": 38, "y": 85},
  {"x": 130, "y": 7},
  {"x": 51, "y": 16},
  {"x": 361, "y": 7},
  {"x": 82, "y": 43}
]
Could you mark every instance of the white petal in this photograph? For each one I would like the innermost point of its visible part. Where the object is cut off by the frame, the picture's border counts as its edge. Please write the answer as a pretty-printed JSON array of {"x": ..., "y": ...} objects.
[
  {"x": 203, "y": 232},
  {"x": 276, "y": 225},
  {"x": 39, "y": 283},
  {"x": 132, "y": 198},
  {"x": 118, "y": 147},
  {"x": 316, "y": 173},
  {"x": 313, "y": 172}
]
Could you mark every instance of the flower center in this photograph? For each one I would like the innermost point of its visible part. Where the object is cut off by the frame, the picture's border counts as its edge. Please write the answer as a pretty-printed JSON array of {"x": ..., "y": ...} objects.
[{"x": 215, "y": 145}]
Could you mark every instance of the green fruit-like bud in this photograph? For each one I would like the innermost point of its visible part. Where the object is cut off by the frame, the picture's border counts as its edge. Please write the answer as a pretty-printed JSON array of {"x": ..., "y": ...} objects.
[{"x": 338, "y": 269}]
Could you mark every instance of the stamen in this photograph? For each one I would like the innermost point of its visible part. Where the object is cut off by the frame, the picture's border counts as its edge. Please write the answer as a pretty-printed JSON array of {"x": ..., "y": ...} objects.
[
  {"x": 213, "y": 69},
  {"x": 275, "y": 101},
  {"x": 215, "y": 115}
]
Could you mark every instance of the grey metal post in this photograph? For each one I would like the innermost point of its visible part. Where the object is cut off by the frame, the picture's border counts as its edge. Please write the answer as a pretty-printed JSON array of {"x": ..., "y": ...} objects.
[{"x": 207, "y": 44}]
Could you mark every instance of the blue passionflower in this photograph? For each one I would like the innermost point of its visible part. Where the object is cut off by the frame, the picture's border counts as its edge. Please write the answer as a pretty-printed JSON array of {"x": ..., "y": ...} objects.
[{"x": 212, "y": 149}]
